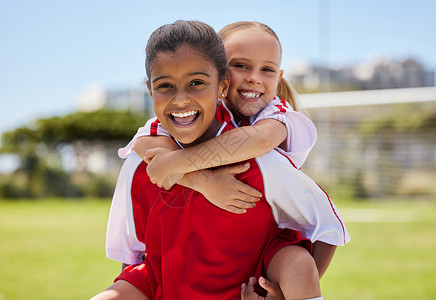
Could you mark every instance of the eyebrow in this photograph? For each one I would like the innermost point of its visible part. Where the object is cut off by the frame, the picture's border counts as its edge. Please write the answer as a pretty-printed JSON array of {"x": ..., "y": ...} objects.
[
  {"x": 191, "y": 74},
  {"x": 200, "y": 73}
]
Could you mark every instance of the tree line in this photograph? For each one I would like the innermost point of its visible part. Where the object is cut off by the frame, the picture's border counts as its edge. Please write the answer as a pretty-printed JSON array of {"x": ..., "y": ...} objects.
[{"x": 38, "y": 145}]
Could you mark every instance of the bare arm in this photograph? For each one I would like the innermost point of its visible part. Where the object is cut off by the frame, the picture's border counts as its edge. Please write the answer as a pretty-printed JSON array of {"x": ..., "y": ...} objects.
[
  {"x": 220, "y": 187},
  {"x": 230, "y": 147},
  {"x": 235, "y": 145},
  {"x": 121, "y": 289},
  {"x": 145, "y": 143},
  {"x": 323, "y": 254}
]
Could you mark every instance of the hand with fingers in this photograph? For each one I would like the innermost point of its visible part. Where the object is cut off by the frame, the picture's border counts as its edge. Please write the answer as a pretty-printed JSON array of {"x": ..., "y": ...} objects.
[
  {"x": 219, "y": 186},
  {"x": 225, "y": 191},
  {"x": 273, "y": 290},
  {"x": 161, "y": 172}
]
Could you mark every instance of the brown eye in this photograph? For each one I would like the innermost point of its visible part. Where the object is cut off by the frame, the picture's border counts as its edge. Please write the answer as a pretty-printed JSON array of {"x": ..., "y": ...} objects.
[
  {"x": 196, "y": 83},
  {"x": 164, "y": 86}
]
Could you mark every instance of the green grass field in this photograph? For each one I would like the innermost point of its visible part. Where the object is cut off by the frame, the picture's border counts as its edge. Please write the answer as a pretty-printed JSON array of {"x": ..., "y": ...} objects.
[{"x": 55, "y": 250}]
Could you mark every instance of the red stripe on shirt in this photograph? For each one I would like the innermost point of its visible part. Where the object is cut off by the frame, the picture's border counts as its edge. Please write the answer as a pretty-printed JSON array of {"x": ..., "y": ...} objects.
[
  {"x": 331, "y": 205},
  {"x": 281, "y": 107},
  {"x": 330, "y": 201},
  {"x": 153, "y": 127},
  {"x": 290, "y": 160}
]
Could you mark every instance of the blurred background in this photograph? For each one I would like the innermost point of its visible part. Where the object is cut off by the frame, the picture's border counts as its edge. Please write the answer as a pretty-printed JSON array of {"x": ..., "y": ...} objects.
[
  {"x": 73, "y": 89},
  {"x": 72, "y": 92}
]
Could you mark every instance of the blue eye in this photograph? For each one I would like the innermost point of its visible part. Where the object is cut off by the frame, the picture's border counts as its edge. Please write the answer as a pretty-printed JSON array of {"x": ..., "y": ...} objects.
[
  {"x": 242, "y": 66},
  {"x": 266, "y": 69}
]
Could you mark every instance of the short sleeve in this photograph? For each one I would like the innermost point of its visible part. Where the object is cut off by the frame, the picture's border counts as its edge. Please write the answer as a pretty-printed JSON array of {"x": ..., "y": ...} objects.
[
  {"x": 302, "y": 133},
  {"x": 299, "y": 203},
  {"x": 152, "y": 128}
]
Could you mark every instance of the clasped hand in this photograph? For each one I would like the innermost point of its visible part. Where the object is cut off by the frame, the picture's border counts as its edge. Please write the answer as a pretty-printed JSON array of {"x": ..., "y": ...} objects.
[
  {"x": 220, "y": 187},
  {"x": 161, "y": 169}
]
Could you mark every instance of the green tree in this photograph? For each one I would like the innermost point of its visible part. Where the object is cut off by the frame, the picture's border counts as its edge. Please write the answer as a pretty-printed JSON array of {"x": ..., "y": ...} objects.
[{"x": 39, "y": 144}]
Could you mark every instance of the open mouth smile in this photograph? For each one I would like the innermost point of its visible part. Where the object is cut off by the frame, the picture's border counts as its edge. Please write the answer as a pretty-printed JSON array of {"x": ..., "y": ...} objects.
[
  {"x": 250, "y": 95},
  {"x": 184, "y": 118}
]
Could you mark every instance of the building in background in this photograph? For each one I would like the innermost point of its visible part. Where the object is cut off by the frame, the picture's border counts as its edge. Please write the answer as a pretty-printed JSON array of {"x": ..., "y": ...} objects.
[
  {"x": 96, "y": 157},
  {"x": 97, "y": 97},
  {"x": 380, "y": 73}
]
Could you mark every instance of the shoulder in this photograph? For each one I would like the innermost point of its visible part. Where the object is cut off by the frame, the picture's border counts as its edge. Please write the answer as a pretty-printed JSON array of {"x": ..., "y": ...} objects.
[
  {"x": 277, "y": 109},
  {"x": 275, "y": 160},
  {"x": 224, "y": 115},
  {"x": 152, "y": 126},
  {"x": 279, "y": 105}
]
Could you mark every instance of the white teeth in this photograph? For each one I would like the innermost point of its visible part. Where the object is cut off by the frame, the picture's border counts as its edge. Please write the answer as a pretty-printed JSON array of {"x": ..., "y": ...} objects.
[
  {"x": 250, "y": 94},
  {"x": 184, "y": 114}
]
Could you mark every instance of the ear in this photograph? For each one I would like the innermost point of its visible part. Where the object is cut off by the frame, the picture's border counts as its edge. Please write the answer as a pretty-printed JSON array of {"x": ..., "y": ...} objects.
[
  {"x": 224, "y": 86},
  {"x": 280, "y": 74},
  {"x": 149, "y": 87}
]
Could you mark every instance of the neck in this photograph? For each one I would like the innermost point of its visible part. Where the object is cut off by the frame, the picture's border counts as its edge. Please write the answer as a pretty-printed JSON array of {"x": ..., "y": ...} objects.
[
  {"x": 211, "y": 132},
  {"x": 237, "y": 116}
]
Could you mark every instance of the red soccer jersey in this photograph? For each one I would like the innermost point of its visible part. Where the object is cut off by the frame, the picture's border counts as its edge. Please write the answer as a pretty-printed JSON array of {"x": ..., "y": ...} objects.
[{"x": 195, "y": 250}]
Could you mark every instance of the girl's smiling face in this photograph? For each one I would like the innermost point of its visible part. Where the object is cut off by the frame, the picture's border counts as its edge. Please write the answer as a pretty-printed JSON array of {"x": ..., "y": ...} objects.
[
  {"x": 185, "y": 88},
  {"x": 254, "y": 64}
]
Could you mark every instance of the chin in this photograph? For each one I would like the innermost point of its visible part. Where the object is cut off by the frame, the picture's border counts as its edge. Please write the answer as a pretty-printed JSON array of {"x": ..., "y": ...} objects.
[
  {"x": 249, "y": 112},
  {"x": 186, "y": 138}
]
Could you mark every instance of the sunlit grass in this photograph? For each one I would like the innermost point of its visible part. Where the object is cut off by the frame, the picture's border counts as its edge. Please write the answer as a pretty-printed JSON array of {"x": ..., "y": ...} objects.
[
  {"x": 55, "y": 250},
  {"x": 391, "y": 254}
]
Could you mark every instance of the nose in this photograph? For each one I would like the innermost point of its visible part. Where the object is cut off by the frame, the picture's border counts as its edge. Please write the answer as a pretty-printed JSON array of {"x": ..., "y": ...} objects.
[
  {"x": 254, "y": 77},
  {"x": 181, "y": 98}
]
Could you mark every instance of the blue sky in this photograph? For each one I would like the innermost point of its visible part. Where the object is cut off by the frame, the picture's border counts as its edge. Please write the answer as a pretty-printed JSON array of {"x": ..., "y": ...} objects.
[{"x": 51, "y": 51}]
